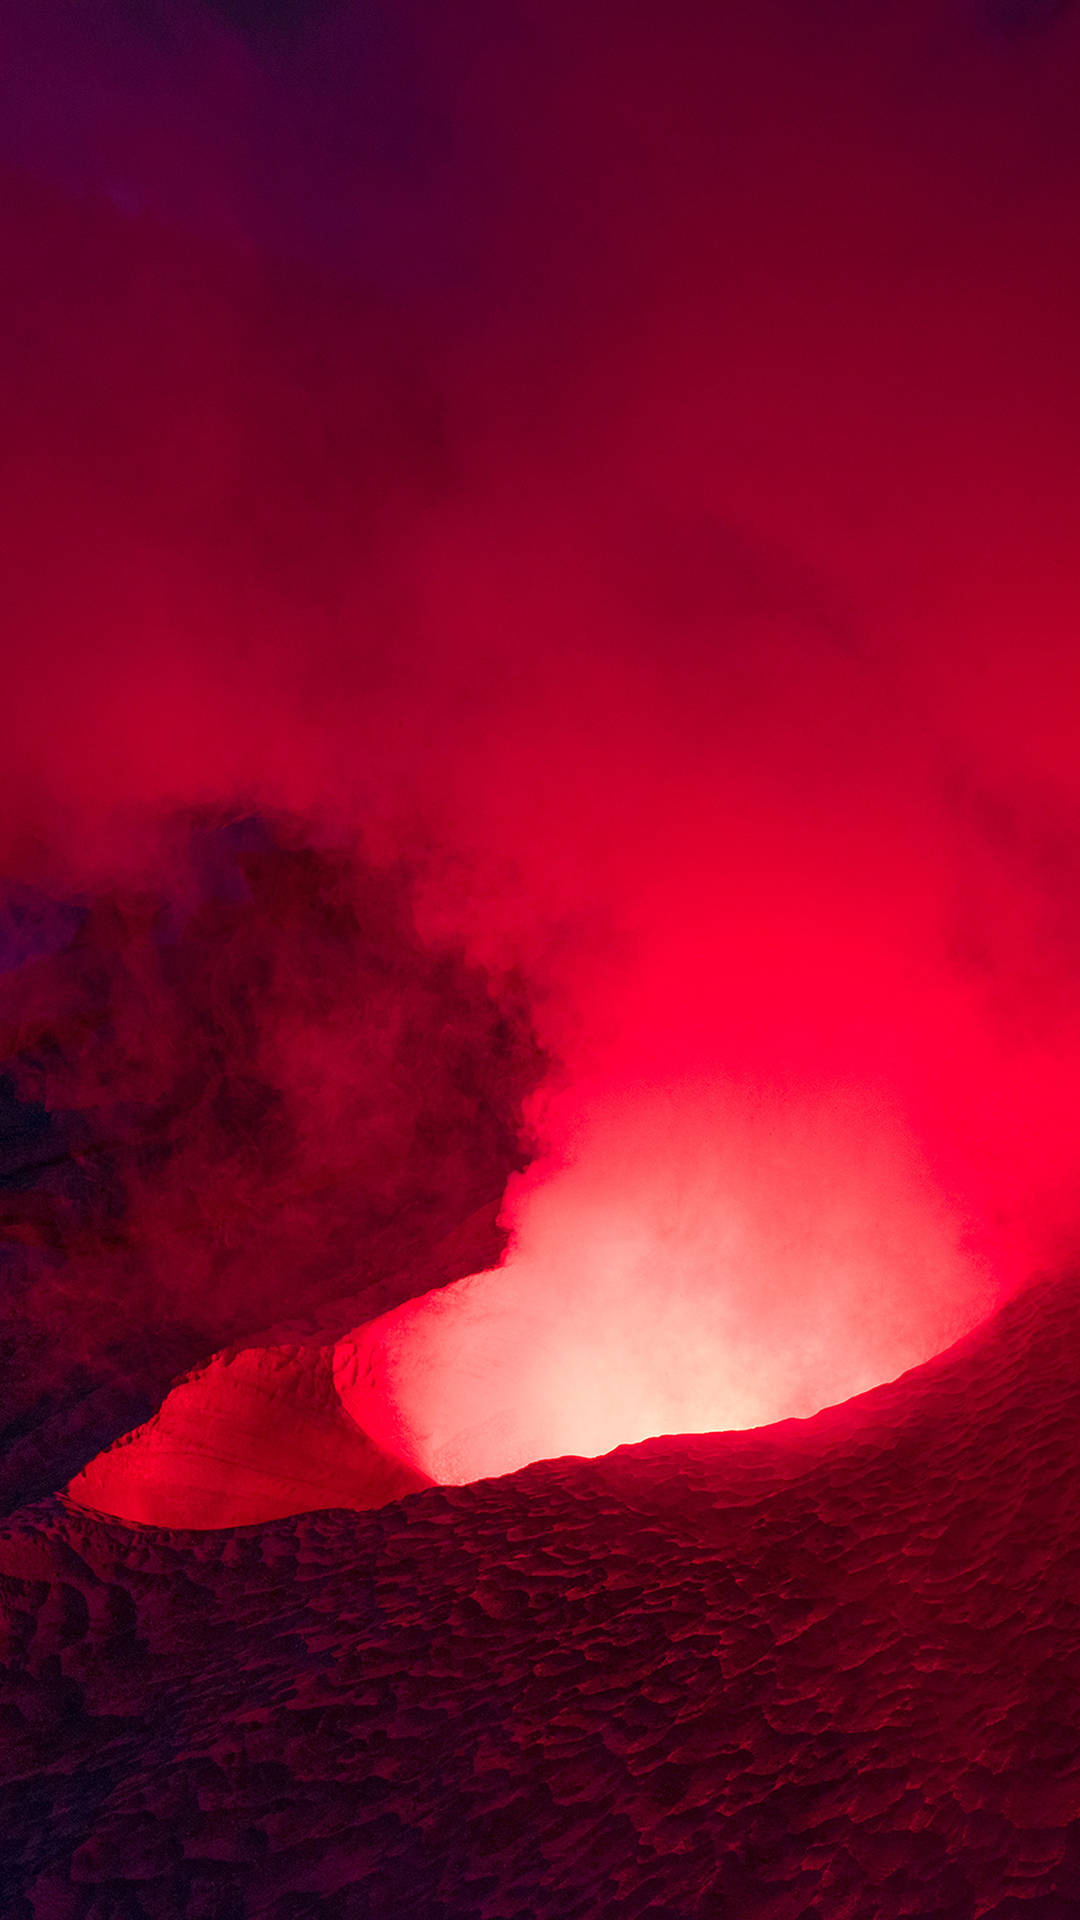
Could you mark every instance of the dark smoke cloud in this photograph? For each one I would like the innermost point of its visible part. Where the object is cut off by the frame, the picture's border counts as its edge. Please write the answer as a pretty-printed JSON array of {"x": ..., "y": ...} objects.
[
  {"x": 1024, "y": 16},
  {"x": 633, "y": 452},
  {"x": 231, "y": 1097}
]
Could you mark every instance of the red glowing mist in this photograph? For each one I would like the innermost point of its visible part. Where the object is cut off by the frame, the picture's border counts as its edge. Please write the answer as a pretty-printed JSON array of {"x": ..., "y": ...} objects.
[
  {"x": 715, "y": 1257},
  {"x": 652, "y": 512}
]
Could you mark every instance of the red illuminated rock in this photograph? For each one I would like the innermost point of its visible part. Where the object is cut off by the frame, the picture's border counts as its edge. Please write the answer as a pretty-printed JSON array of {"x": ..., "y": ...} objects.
[
  {"x": 827, "y": 1668},
  {"x": 254, "y": 1435}
]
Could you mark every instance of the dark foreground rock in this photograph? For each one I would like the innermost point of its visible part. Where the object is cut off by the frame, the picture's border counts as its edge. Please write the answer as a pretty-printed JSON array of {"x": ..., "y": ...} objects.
[{"x": 829, "y": 1671}]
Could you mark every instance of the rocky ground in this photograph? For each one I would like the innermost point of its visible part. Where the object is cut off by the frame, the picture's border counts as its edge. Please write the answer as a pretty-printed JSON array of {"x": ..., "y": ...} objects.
[{"x": 828, "y": 1669}]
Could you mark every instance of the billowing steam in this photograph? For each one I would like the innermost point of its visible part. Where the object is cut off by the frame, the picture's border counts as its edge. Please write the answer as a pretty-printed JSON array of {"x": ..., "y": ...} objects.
[{"x": 616, "y": 471}]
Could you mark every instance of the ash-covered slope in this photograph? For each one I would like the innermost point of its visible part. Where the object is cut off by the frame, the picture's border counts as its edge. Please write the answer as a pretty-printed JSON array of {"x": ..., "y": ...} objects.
[{"x": 827, "y": 1669}]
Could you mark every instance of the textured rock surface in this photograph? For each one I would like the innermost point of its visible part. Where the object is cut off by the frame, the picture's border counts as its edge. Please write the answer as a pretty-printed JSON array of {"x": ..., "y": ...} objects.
[{"x": 829, "y": 1669}]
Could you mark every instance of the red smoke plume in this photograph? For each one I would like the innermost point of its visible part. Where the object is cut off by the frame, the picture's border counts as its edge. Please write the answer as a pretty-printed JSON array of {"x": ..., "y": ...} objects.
[{"x": 626, "y": 463}]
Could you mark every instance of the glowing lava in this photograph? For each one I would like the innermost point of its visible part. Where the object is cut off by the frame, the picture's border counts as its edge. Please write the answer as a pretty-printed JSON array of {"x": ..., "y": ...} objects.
[{"x": 711, "y": 1259}]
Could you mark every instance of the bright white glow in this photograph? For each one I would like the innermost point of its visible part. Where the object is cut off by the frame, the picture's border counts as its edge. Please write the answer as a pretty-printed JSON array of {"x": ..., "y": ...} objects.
[{"x": 712, "y": 1258}]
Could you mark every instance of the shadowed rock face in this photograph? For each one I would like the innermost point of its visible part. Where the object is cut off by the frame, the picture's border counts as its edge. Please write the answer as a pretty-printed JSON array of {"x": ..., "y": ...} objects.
[{"x": 831, "y": 1667}]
